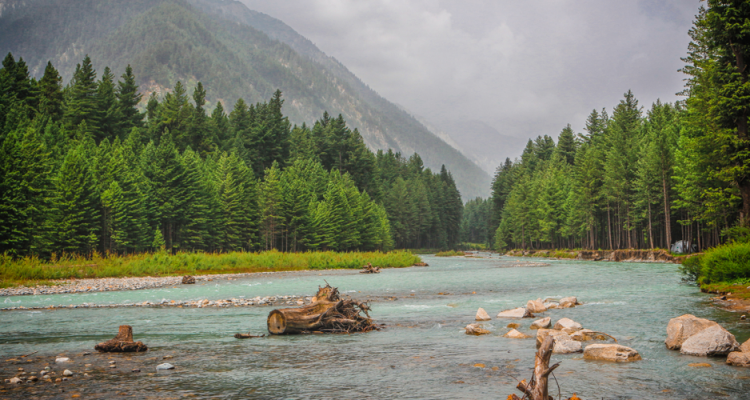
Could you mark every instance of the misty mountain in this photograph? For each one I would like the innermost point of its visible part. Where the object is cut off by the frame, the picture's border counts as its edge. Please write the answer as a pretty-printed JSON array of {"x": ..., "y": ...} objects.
[{"x": 235, "y": 52}]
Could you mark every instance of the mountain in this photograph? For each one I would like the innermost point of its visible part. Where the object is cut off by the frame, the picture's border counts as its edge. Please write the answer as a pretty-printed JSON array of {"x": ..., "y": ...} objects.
[{"x": 235, "y": 52}]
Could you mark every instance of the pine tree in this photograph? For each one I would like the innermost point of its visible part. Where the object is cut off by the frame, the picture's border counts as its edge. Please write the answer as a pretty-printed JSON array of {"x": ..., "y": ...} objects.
[
  {"x": 110, "y": 123},
  {"x": 82, "y": 105},
  {"x": 51, "y": 94},
  {"x": 271, "y": 219},
  {"x": 128, "y": 99}
]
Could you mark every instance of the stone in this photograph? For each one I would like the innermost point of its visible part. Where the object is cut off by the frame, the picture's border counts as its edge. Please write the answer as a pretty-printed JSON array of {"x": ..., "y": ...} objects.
[
  {"x": 610, "y": 352},
  {"x": 536, "y": 306},
  {"x": 482, "y": 315},
  {"x": 745, "y": 347},
  {"x": 164, "y": 366},
  {"x": 681, "y": 328},
  {"x": 476, "y": 329},
  {"x": 514, "y": 334},
  {"x": 551, "y": 305},
  {"x": 61, "y": 360},
  {"x": 739, "y": 359},
  {"x": 699, "y": 365},
  {"x": 568, "y": 302},
  {"x": 569, "y": 324},
  {"x": 67, "y": 372},
  {"x": 543, "y": 323},
  {"x": 520, "y": 312},
  {"x": 15, "y": 381},
  {"x": 563, "y": 343},
  {"x": 33, "y": 378},
  {"x": 712, "y": 341},
  {"x": 513, "y": 325},
  {"x": 584, "y": 335}
]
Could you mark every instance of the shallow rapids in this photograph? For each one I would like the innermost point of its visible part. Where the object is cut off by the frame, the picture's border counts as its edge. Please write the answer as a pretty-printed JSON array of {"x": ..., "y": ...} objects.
[{"x": 423, "y": 352}]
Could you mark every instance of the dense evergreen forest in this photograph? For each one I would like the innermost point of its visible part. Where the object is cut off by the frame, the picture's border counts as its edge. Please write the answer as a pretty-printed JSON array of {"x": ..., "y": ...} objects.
[
  {"x": 638, "y": 178},
  {"x": 82, "y": 170}
]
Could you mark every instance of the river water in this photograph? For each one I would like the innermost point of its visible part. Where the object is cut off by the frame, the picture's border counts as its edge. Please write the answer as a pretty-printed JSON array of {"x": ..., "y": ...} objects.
[{"x": 423, "y": 352}]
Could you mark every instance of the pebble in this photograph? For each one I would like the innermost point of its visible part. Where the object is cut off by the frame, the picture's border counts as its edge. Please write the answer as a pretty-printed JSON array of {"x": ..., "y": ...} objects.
[
  {"x": 61, "y": 360},
  {"x": 164, "y": 366},
  {"x": 67, "y": 372},
  {"x": 137, "y": 370},
  {"x": 15, "y": 381},
  {"x": 743, "y": 317}
]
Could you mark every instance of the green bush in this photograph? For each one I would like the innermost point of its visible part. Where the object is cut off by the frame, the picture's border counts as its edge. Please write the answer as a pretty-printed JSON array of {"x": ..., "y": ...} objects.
[
  {"x": 725, "y": 263},
  {"x": 691, "y": 267},
  {"x": 450, "y": 253}
]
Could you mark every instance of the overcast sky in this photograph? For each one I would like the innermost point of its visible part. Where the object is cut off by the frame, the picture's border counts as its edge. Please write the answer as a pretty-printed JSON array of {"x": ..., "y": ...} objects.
[{"x": 524, "y": 67}]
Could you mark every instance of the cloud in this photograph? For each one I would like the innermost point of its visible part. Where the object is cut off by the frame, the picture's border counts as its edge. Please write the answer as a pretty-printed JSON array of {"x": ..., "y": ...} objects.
[{"x": 525, "y": 68}]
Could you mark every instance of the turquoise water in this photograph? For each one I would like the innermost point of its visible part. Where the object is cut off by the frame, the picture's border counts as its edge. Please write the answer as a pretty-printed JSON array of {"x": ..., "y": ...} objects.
[{"x": 423, "y": 353}]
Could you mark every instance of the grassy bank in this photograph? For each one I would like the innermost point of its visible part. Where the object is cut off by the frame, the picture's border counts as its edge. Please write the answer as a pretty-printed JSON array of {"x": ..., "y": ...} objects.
[
  {"x": 450, "y": 253},
  {"x": 32, "y": 271}
]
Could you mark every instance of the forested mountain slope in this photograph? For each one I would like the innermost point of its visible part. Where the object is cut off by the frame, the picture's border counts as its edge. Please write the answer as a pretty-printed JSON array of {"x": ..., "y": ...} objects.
[{"x": 235, "y": 52}]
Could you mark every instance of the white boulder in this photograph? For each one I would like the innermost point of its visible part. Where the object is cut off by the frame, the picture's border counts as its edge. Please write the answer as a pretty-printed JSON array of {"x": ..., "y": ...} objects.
[
  {"x": 482, "y": 315},
  {"x": 568, "y": 325},
  {"x": 543, "y": 323},
  {"x": 520, "y": 312},
  {"x": 610, "y": 352},
  {"x": 712, "y": 341}
]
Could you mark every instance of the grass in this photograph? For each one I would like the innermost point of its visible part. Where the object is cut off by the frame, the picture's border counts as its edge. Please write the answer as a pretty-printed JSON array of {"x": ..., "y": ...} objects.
[
  {"x": 450, "y": 253},
  {"x": 32, "y": 271}
]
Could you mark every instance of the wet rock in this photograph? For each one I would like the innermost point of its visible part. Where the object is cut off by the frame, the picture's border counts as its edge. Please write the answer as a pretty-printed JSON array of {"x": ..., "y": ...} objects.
[
  {"x": 33, "y": 378},
  {"x": 520, "y": 312},
  {"x": 543, "y": 323},
  {"x": 536, "y": 306},
  {"x": 482, "y": 315},
  {"x": 164, "y": 367},
  {"x": 551, "y": 305},
  {"x": 137, "y": 370},
  {"x": 61, "y": 360},
  {"x": 739, "y": 359},
  {"x": 712, "y": 341},
  {"x": 67, "y": 372},
  {"x": 476, "y": 329},
  {"x": 568, "y": 302},
  {"x": 681, "y": 328},
  {"x": 610, "y": 352},
  {"x": 584, "y": 335},
  {"x": 568, "y": 324},
  {"x": 15, "y": 381},
  {"x": 745, "y": 347},
  {"x": 514, "y": 334}
]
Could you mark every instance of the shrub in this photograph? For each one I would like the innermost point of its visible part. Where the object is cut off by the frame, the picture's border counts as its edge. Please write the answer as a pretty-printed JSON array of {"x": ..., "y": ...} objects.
[
  {"x": 691, "y": 267},
  {"x": 725, "y": 263},
  {"x": 450, "y": 253}
]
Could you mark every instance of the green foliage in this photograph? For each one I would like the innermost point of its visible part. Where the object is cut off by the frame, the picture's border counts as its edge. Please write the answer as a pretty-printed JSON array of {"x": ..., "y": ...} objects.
[
  {"x": 725, "y": 263},
  {"x": 450, "y": 253},
  {"x": 691, "y": 267}
]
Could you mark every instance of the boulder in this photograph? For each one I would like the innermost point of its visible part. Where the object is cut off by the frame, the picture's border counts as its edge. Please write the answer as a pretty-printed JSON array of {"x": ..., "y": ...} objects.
[
  {"x": 584, "y": 335},
  {"x": 476, "y": 329},
  {"x": 739, "y": 359},
  {"x": 520, "y": 312},
  {"x": 681, "y": 328},
  {"x": 543, "y": 323},
  {"x": 712, "y": 341},
  {"x": 514, "y": 334},
  {"x": 745, "y": 347},
  {"x": 563, "y": 343},
  {"x": 568, "y": 324},
  {"x": 536, "y": 306},
  {"x": 568, "y": 302},
  {"x": 482, "y": 315},
  {"x": 610, "y": 352},
  {"x": 551, "y": 305}
]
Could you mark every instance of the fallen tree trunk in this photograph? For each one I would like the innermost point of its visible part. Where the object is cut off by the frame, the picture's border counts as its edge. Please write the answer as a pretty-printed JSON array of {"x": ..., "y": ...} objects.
[
  {"x": 122, "y": 343},
  {"x": 328, "y": 313}
]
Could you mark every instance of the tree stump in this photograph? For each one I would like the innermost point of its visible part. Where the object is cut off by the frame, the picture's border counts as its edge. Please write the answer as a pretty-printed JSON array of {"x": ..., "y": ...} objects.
[
  {"x": 328, "y": 313},
  {"x": 537, "y": 389},
  {"x": 369, "y": 269},
  {"x": 188, "y": 280},
  {"x": 122, "y": 343}
]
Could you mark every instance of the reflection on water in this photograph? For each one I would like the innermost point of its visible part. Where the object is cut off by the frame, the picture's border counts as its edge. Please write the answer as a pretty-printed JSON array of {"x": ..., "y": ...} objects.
[{"x": 423, "y": 353}]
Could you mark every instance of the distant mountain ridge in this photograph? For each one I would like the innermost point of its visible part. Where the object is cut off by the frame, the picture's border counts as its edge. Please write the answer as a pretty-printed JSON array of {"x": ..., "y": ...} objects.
[{"x": 234, "y": 51}]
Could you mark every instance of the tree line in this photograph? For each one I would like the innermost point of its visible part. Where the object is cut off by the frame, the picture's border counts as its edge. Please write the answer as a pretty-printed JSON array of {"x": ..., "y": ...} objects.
[
  {"x": 83, "y": 169},
  {"x": 640, "y": 179}
]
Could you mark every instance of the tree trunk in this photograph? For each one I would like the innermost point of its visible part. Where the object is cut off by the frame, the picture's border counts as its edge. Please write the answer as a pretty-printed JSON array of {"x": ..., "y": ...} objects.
[
  {"x": 538, "y": 388},
  {"x": 609, "y": 227},
  {"x": 650, "y": 231},
  {"x": 121, "y": 343},
  {"x": 667, "y": 213}
]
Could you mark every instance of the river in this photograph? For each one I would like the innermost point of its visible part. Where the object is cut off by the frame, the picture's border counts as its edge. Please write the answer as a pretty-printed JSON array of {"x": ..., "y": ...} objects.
[{"x": 423, "y": 352}]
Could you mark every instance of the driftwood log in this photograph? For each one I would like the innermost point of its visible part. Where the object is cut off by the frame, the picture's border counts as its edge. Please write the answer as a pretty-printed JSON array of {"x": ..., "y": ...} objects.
[
  {"x": 122, "y": 343},
  {"x": 328, "y": 313},
  {"x": 369, "y": 269},
  {"x": 188, "y": 280}
]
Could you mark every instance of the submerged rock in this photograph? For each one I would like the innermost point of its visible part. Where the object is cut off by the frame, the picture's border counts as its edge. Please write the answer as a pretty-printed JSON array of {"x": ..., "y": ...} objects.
[
  {"x": 482, "y": 315},
  {"x": 584, "y": 335},
  {"x": 165, "y": 366},
  {"x": 568, "y": 302},
  {"x": 681, "y": 328},
  {"x": 568, "y": 324},
  {"x": 536, "y": 306},
  {"x": 520, "y": 312},
  {"x": 476, "y": 329},
  {"x": 563, "y": 343},
  {"x": 610, "y": 352},
  {"x": 514, "y": 334},
  {"x": 61, "y": 360},
  {"x": 543, "y": 323},
  {"x": 712, "y": 341}
]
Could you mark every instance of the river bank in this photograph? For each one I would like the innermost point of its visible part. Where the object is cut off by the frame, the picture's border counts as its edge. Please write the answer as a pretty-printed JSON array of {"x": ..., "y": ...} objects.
[{"x": 624, "y": 255}]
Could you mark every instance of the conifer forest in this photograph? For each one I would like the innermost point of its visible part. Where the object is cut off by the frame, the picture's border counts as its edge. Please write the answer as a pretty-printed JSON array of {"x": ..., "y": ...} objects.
[{"x": 83, "y": 170}]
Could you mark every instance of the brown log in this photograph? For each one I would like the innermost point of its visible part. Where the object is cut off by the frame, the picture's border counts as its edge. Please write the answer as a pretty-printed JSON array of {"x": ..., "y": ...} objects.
[
  {"x": 369, "y": 269},
  {"x": 122, "y": 343},
  {"x": 297, "y": 320}
]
